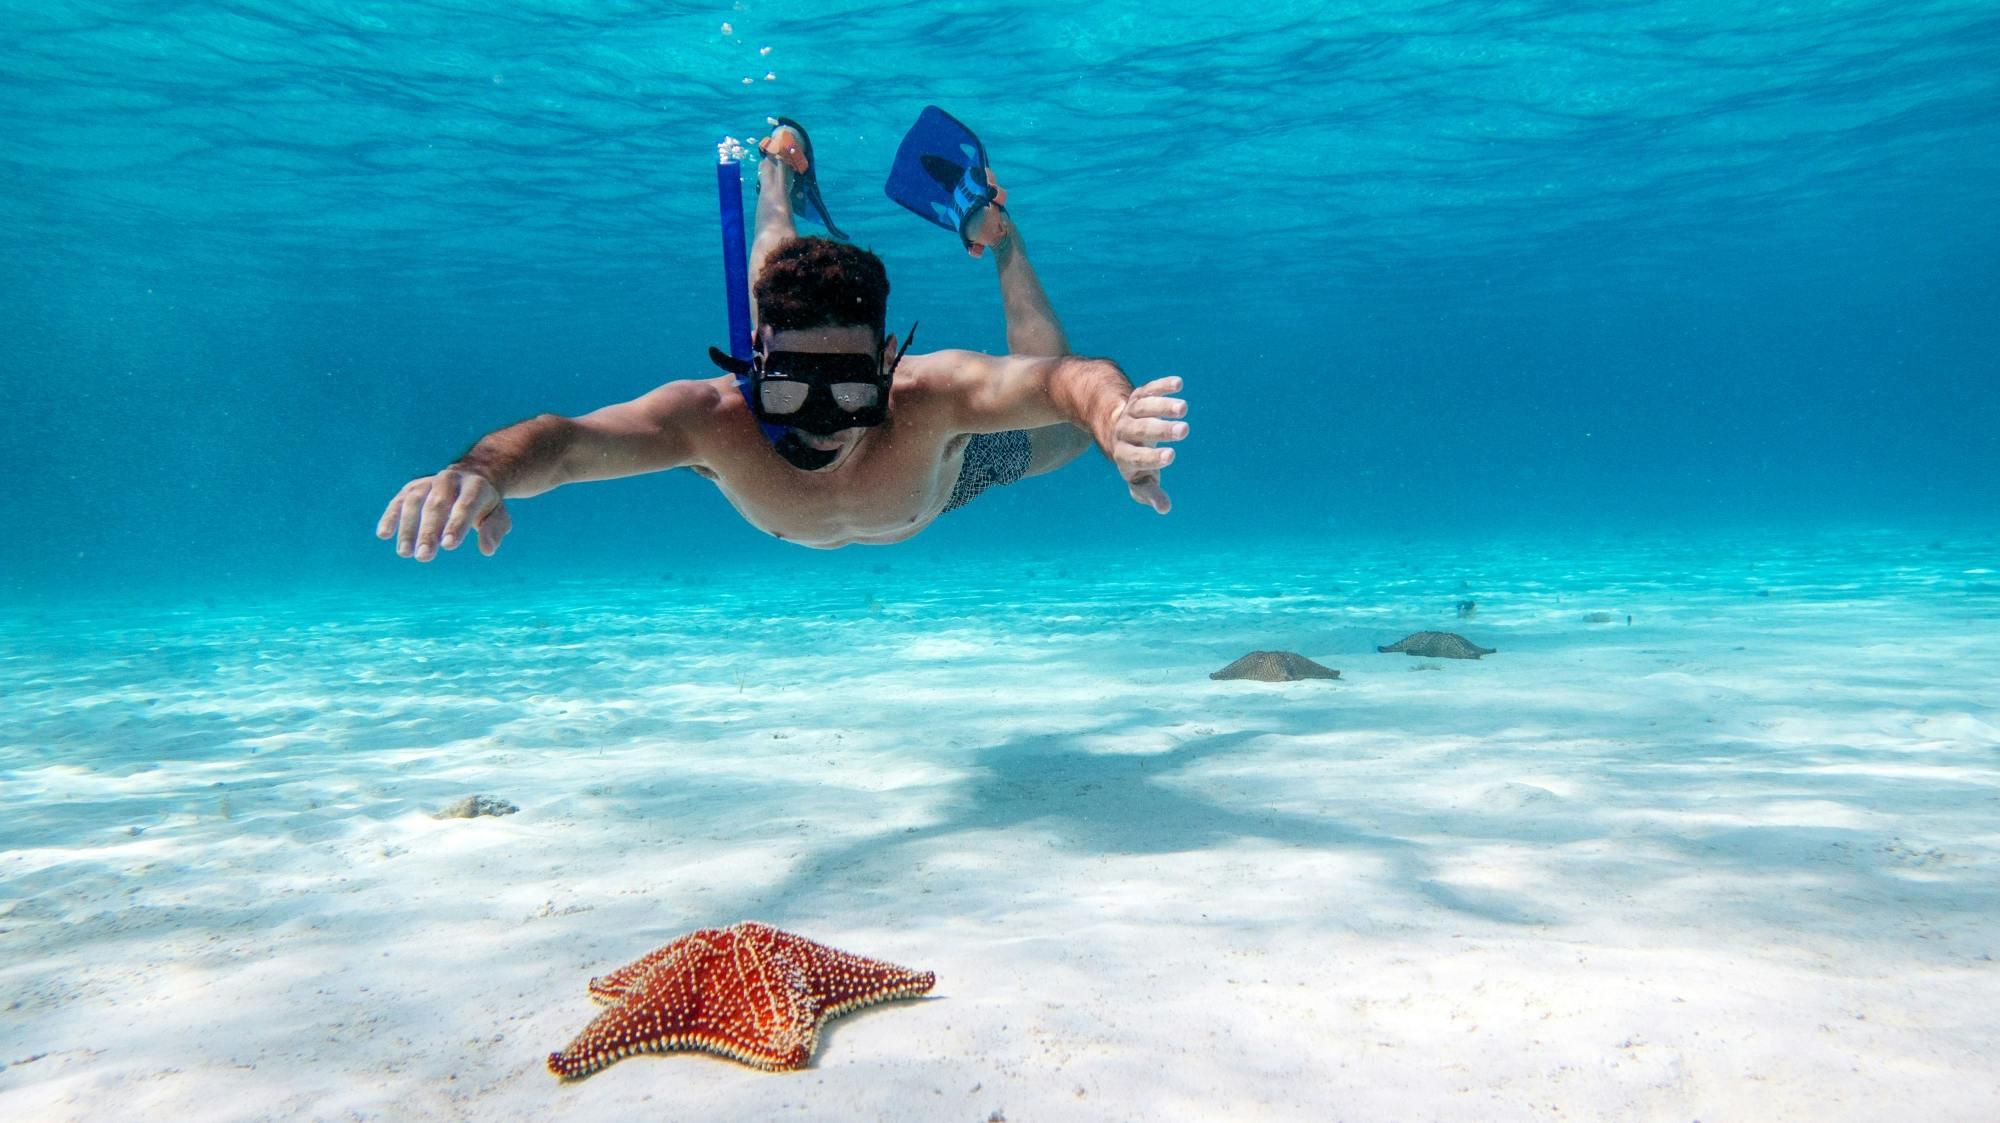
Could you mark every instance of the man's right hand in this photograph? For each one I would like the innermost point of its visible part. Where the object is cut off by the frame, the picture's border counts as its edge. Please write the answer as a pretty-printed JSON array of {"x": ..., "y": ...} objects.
[
  {"x": 438, "y": 509},
  {"x": 1147, "y": 416}
]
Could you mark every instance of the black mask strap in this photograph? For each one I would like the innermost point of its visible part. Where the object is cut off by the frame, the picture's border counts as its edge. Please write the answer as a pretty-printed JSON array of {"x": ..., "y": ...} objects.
[{"x": 905, "y": 349}]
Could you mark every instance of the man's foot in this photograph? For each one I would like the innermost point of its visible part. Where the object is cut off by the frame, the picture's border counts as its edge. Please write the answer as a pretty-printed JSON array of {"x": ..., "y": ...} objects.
[
  {"x": 785, "y": 146},
  {"x": 990, "y": 228},
  {"x": 792, "y": 168}
]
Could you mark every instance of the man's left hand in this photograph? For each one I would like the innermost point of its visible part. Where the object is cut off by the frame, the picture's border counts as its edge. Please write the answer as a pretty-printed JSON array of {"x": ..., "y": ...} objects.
[{"x": 1147, "y": 418}]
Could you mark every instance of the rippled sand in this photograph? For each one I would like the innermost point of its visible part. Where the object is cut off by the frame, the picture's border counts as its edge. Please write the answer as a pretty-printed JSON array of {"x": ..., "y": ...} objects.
[{"x": 1734, "y": 859}]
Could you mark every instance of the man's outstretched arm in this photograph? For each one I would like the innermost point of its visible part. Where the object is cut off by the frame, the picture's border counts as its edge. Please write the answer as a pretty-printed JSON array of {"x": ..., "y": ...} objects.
[
  {"x": 989, "y": 394},
  {"x": 648, "y": 434}
]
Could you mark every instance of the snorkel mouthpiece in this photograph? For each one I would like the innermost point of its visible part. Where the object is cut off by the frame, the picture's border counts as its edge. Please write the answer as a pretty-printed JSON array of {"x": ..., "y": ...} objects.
[{"x": 803, "y": 456}]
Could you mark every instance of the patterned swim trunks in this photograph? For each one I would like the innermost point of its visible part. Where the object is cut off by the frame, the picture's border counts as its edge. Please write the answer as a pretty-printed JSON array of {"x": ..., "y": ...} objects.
[{"x": 991, "y": 460}]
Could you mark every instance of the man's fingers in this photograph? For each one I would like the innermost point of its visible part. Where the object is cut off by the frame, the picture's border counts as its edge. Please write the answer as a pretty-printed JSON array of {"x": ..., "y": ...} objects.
[
  {"x": 1141, "y": 430},
  {"x": 436, "y": 507},
  {"x": 1137, "y": 459},
  {"x": 473, "y": 502},
  {"x": 391, "y": 515},
  {"x": 1146, "y": 489},
  {"x": 410, "y": 518},
  {"x": 1168, "y": 385},
  {"x": 493, "y": 528},
  {"x": 1156, "y": 406}
]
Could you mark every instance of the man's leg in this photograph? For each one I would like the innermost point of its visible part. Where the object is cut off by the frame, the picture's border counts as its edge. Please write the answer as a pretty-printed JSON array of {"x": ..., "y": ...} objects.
[
  {"x": 783, "y": 159},
  {"x": 1032, "y": 329}
]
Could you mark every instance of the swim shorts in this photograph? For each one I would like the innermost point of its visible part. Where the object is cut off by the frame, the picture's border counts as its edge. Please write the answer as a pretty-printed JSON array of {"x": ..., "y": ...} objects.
[{"x": 991, "y": 460}]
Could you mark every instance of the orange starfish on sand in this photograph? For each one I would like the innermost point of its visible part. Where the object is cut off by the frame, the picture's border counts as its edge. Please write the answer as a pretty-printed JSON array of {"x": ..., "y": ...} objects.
[{"x": 749, "y": 992}]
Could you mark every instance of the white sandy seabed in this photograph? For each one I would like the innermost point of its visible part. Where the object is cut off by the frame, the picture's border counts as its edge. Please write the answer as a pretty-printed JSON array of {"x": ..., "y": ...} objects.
[{"x": 1732, "y": 860}]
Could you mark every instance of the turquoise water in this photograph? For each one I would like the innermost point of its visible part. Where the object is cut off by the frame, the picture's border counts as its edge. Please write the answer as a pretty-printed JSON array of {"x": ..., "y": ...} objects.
[
  {"x": 1648, "y": 343},
  {"x": 1436, "y": 269}
]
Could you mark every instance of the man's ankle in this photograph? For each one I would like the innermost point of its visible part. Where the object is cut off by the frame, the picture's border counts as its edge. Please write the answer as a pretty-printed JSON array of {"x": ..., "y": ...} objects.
[{"x": 1007, "y": 242}]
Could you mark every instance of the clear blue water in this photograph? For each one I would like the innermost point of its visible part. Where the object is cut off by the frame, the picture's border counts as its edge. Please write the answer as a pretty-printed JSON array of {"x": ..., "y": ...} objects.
[
  {"x": 1434, "y": 270},
  {"x": 1661, "y": 331}
]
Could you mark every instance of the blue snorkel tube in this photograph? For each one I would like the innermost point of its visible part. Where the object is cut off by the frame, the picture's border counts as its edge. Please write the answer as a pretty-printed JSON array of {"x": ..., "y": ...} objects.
[
  {"x": 736, "y": 266},
  {"x": 735, "y": 263}
]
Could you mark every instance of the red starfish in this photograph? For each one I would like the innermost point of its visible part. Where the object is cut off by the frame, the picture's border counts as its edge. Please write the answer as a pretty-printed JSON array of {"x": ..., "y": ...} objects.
[{"x": 749, "y": 992}]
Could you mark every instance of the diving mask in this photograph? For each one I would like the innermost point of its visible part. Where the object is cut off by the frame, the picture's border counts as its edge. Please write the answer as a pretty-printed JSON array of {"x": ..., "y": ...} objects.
[{"x": 817, "y": 392}]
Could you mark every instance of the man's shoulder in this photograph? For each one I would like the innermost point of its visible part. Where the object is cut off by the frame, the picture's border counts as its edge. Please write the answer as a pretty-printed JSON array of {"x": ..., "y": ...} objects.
[
  {"x": 935, "y": 373},
  {"x": 704, "y": 391},
  {"x": 685, "y": 396},
  {"x": 683, "y": 404}
]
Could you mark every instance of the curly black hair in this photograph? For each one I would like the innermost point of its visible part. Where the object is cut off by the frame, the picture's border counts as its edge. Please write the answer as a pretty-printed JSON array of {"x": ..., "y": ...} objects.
[{"x": 818, "y": 282}]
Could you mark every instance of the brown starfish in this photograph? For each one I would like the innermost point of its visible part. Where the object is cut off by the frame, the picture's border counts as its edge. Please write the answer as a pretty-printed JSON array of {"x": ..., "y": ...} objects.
[
  {"x": 1438, "y": 645},
  {"x": 1275, "y": 666}
]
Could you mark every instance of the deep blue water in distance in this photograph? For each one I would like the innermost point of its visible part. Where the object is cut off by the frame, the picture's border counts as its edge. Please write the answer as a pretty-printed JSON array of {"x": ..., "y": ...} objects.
[{"x": 1431, "y": 270}]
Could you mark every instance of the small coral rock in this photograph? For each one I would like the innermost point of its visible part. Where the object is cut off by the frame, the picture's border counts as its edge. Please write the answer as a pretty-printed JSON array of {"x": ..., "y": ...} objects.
[{"x": 473, "y": 806}]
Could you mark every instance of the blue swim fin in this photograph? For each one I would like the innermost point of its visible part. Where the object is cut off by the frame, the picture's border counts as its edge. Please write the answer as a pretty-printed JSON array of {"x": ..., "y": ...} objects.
[
  {"x": 805, "y": 185},
  {"x": 940, "y": 174}
]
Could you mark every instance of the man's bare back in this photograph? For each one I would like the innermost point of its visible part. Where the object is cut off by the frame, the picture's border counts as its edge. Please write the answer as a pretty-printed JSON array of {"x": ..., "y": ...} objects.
[{"x": 877, "y": 484}]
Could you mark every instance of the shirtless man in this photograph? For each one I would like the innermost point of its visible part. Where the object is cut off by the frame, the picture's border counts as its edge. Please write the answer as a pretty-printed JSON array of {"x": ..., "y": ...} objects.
[{"x": 885, "y": 441}]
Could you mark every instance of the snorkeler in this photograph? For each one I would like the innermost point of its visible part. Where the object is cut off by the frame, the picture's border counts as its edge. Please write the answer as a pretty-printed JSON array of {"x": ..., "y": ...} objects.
[{"x": 833, "y": 433}]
